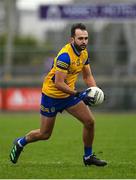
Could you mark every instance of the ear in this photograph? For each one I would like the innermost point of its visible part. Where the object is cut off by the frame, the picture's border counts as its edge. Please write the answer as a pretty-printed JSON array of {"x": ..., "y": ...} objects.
[{"x": 71, "y": 40}]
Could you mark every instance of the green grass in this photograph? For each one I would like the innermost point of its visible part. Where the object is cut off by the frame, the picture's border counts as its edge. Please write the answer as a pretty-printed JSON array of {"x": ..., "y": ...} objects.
[{"x": 61, "y": 156}]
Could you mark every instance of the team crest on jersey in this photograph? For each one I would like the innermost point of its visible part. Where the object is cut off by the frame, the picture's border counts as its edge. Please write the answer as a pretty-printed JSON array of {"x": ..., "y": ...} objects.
[
  {"x": 73, "y": 63},
  {"x": 78, "y": 62}
]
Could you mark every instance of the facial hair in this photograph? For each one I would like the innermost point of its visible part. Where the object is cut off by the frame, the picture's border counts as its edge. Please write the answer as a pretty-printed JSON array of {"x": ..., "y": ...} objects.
[{"x": 79, "y": 48}]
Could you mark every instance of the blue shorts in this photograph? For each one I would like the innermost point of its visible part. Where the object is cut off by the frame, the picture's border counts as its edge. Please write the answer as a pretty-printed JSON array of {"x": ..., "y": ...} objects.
[{"x": 51, "y": 106}]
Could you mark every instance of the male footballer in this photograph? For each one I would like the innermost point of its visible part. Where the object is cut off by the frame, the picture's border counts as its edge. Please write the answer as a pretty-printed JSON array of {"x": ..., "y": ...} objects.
[{"x": 59, "y": 93}]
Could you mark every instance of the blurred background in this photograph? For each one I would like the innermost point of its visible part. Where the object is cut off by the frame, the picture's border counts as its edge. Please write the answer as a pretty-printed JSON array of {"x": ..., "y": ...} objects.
[{"x": 33, "y": 31}]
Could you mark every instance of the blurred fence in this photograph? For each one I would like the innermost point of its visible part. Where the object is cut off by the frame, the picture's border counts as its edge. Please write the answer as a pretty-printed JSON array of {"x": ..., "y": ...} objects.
[
  {"x": 27, "y": 78},
  {"x": 105, "y": 62}
]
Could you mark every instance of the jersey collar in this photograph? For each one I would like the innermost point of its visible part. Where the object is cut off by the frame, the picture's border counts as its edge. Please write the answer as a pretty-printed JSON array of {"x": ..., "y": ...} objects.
[{"x": 75, "y": 50}]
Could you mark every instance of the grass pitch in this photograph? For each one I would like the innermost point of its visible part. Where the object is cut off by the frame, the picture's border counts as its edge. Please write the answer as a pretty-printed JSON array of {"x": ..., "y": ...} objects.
[{"x": 61, "y": 156}]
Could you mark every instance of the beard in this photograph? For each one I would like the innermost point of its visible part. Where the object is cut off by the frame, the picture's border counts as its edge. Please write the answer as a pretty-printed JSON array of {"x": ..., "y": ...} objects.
[{"x": 79, "y": 47}]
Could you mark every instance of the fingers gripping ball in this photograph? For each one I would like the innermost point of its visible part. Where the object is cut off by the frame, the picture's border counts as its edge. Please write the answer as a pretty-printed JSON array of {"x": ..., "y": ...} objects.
[{"x": 95, "y": 96}]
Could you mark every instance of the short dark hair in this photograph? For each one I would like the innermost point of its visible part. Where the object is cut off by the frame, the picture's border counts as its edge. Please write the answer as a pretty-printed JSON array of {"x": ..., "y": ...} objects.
[{"x": 77, "y": 26}]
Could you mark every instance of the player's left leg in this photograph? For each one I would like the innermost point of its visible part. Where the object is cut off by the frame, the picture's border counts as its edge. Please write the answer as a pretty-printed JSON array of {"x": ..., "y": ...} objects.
[{"x": 84, "y": 115}]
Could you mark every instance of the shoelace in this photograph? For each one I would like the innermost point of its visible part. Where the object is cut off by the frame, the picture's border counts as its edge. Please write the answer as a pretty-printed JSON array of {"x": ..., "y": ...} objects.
[{"x": 94, "y": 155}]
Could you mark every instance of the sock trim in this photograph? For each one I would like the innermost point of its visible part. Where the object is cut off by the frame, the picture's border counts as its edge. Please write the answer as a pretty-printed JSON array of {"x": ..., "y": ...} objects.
[{"x": 19, "y": 143}]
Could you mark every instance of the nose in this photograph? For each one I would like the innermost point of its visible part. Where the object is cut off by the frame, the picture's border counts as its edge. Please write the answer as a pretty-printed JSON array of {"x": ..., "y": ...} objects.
[{"x": 84, "y": 41}]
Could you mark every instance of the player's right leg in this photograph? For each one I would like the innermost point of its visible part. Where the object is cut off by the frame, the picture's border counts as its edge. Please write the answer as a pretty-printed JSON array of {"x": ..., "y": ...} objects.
[
  {"x": 45, "y": 131},
  {"x": 48, "y": 117}
]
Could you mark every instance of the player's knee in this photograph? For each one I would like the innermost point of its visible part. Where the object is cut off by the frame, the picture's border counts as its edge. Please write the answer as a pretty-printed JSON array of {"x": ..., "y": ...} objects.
[{"x": 89, "y": 123}]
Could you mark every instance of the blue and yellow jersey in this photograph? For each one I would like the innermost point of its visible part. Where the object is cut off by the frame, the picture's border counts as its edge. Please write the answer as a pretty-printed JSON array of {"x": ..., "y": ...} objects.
[{"x": 68, "y": 61}]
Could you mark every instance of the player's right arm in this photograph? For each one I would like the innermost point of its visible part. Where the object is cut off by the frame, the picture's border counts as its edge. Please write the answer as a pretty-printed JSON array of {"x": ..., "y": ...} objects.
[
  {"x": 60, "y": 83},
  {"x": 62, "y": 65}
]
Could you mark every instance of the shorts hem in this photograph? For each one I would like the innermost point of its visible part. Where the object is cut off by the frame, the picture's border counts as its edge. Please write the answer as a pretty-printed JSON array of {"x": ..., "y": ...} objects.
[
  {"x": 48, "y": 115},
  {"x": 74, "y": 103}
]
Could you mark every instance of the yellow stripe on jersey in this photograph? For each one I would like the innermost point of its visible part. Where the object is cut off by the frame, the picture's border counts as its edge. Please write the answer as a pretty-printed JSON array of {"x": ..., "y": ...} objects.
[
  {"x": 67, "y": 61},
  {"x": 62, "y": 64}
]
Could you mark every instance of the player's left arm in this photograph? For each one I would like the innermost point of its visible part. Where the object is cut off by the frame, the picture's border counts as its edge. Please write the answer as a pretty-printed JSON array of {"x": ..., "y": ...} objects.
[{"x": 88, "y": 76}]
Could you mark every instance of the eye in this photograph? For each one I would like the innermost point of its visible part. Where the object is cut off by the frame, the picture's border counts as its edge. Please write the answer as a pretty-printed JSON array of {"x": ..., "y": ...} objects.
[{"x": 80, "y": 38}]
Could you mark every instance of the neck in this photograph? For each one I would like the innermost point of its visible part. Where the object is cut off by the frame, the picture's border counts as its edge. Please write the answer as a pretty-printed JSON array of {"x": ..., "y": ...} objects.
[{"x": 76, "y": 49}]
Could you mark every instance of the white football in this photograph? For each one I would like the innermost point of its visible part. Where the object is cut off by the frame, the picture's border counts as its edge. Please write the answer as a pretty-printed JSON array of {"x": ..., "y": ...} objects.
[{"x": 97, "y": 95}]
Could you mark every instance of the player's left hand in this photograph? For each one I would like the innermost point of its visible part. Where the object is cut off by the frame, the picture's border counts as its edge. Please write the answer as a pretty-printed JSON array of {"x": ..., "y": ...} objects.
[
  {"x": 89, "y": 100},
  {"x": 82, "y": 94}
]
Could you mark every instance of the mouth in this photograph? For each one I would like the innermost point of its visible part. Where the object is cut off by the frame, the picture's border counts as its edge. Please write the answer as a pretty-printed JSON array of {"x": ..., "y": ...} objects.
[{"x": 83, "y": 46}]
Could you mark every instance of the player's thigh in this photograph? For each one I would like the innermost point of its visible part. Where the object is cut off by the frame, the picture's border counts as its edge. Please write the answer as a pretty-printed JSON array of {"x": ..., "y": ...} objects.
[
  {"x": 47, "y": 124},
  {"x": 81, "y": 112}
]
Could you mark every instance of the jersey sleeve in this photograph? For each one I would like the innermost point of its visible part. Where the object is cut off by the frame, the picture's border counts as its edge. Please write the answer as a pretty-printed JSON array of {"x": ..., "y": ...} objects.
[
  {"x": 63, "y": 62},
  {"x": 86, "y": 62}
]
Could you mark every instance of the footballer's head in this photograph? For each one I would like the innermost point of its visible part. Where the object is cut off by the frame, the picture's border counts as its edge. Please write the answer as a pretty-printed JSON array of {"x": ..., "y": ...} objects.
[{"x": 79, "y": 36}]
